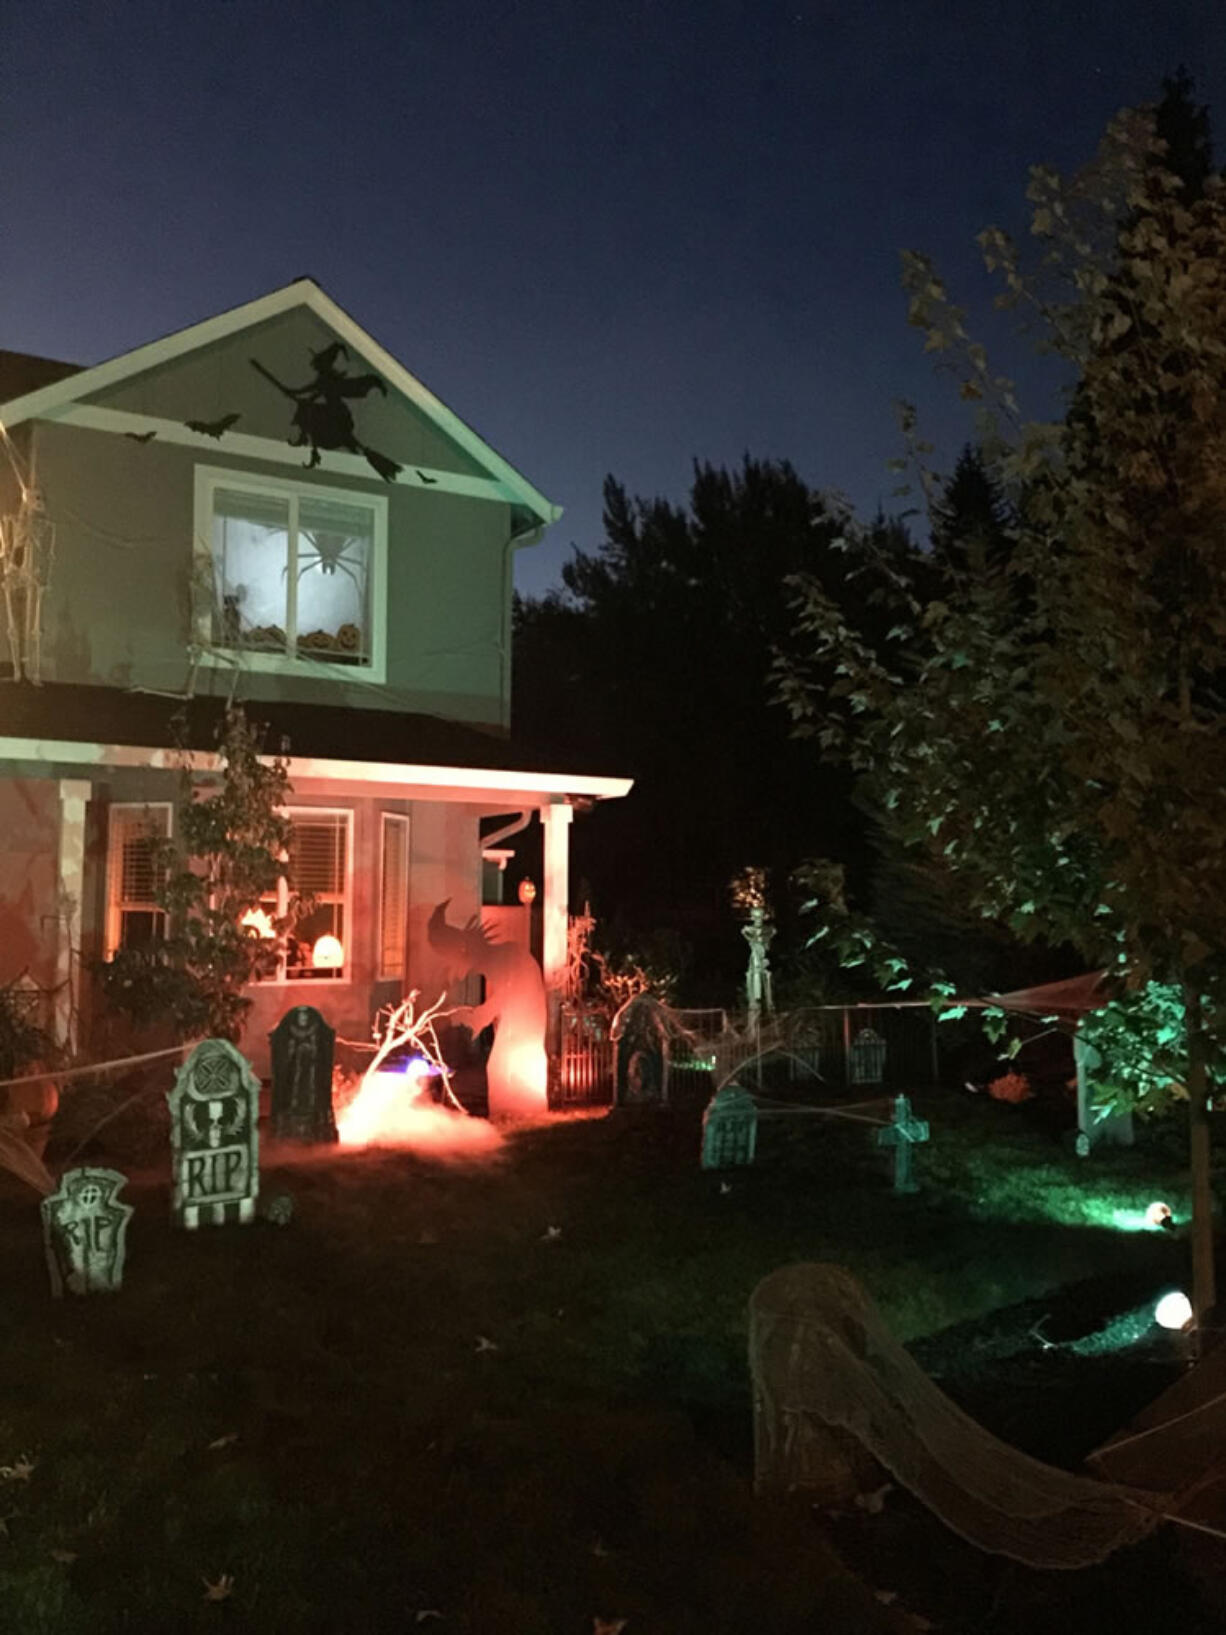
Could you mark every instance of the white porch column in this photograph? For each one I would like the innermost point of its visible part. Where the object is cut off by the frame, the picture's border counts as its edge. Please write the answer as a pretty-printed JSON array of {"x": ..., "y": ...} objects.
[
  {"x": 555, "y": 906},
  {"x": 70, "y": 881}
]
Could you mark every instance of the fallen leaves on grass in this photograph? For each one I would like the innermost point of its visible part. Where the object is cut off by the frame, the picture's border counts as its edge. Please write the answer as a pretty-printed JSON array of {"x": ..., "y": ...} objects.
[
  {"x": 426, "y": 1612},
  {"x": 226, "y": 1441},
  {"x": 874, "y": 1503},
  {"x": 608, "y": 1626},
  {"x": 485, "y": 1344},
  {"x": 222, "y": 1590},
  {"x": 551, "y": 1234},
  {"x": 725, "y": 1187},
  {"x": 20, "y": 1471},
  {"x": 64, "y": 1557}
]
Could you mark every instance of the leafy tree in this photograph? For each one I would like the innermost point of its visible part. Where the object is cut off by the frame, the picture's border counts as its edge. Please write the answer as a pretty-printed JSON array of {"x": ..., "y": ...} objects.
[
  {"x": 230, "y": 852},
  {"x": 1066, "y": 766}
]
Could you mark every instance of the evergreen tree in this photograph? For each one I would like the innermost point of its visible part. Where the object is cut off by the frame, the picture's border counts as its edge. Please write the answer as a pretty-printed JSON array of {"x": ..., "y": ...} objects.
[
  {"x": 660, "y": 650},
  {"x": 971, "y": 521}
]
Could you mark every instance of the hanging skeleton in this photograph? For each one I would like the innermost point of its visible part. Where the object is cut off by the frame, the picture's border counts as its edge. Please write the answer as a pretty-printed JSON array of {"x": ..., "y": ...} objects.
[
  {"x": 323, "y": 419},
  {"x": 27, "y": 546}
]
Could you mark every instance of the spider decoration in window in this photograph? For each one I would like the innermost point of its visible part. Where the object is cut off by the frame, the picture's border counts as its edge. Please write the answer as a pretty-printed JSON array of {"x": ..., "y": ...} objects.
[{"x": 323, "y": 419}]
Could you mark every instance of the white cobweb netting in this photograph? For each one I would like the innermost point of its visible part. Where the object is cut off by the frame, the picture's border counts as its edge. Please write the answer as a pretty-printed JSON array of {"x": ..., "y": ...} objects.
[{"x": 834, "y": 1391}]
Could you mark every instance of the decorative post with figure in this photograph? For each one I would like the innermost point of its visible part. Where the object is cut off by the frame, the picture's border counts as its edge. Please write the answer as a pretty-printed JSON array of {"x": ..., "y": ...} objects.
[{"x": 749, "y": 895}]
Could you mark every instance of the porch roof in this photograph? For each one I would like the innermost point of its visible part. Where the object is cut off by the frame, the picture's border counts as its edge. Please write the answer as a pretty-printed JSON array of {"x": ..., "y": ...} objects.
[{"x": 379, "y": 751}]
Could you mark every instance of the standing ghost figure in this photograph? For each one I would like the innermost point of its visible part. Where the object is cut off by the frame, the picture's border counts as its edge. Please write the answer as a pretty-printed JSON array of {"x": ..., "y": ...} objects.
[{"x": 518, "y": 1070}]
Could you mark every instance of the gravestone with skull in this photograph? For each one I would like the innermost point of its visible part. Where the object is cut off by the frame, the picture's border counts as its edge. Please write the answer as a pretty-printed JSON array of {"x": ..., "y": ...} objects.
[
  {"x": 85, "y": 1232},
  {"x": 214, "y": 1108}
]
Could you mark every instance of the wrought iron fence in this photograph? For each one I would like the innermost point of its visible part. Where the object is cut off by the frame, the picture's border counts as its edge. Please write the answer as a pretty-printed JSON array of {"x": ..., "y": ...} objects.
[{"x": 584, "y": 1074}]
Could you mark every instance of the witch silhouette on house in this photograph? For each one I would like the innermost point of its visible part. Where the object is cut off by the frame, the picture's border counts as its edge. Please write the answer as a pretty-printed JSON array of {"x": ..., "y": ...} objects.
[
  {"x": 322, "y": 417},
  {"x": 517, "y": 1071}
]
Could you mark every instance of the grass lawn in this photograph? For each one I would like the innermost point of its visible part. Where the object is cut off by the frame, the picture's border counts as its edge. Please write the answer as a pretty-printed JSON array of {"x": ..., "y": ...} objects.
[{"x": 416, "y": 1399}]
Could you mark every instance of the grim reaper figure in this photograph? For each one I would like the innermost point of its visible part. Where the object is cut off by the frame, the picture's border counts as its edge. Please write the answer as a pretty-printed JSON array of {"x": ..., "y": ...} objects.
[{"x": 517, "y": 1070}]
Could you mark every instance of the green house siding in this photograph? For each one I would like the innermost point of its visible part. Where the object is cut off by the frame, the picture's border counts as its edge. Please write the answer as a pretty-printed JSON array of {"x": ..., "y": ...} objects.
[{"x": 119, "y": 608}]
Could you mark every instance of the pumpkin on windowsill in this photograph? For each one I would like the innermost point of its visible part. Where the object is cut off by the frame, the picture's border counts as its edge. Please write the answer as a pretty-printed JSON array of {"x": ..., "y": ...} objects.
[
  {"x": 269, "y": 636},
  {"x": 345, "y": 647}
]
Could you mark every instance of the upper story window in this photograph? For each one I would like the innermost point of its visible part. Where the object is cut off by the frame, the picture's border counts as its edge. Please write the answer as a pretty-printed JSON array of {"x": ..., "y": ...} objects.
[{"x": 290, "y": 575}]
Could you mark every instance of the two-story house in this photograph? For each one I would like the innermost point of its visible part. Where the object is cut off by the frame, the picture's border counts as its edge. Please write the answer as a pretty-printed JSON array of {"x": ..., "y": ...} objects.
[{"x": 265, "y": 506}]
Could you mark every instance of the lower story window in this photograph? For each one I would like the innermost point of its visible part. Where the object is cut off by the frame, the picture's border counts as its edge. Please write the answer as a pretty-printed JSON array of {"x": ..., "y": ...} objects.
[
  {"x": 317, "y": 946},
  {"x": 133, "y": 876}
]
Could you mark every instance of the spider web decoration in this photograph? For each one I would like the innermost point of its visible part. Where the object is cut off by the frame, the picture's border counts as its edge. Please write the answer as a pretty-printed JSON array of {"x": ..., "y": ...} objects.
[
  {"x": 323, "y": 420},
  {"x": 27, "y": 549}
]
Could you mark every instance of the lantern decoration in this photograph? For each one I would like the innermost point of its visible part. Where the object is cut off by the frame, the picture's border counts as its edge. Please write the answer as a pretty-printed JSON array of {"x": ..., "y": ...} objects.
[
  {"x": 527, "y": 893},
  {"x": 328, "y": 953}
]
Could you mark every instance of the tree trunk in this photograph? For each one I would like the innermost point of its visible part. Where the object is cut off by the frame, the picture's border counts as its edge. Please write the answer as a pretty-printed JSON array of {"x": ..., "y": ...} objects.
[{"x": 1204, "y": 1285}]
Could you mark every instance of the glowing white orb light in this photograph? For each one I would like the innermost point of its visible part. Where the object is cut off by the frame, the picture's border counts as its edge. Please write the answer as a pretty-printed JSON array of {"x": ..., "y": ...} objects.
[
  {"x": 1158, "y": 1214},
  {"x": 327, "y": 954},
  {"x": 1174, "y": 1310}
]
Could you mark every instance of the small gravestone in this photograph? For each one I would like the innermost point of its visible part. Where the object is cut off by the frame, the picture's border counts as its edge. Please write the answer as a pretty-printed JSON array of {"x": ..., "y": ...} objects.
[
  {"x": 302, "y": 1048},
  {"x": 902, "y": 1133},
  {"x": 85, "y": 1232},
  {"x": 1092, "y": 1130},
  {"x": 867, "y": 1057},
  {"x": 641, "y": 1037},
  {"x": 729, "y": 1129},
  {"x": 214, "y": 1108}
]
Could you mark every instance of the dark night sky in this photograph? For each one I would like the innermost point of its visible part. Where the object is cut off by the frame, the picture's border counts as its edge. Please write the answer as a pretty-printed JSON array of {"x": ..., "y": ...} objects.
[{"x": 611, "y": 236}]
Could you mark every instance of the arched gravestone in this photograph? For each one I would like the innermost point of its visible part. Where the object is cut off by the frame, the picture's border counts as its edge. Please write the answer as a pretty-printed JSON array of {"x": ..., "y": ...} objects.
[
  {"x": 867, "y": 1060},
  {"x": 214, "y": 1109},
  {"x": 729, "y": 1129},
  {"x": 302, "y": 1046},
  {"x": 641, "y": 1037},
  {"x": 85, "y": 1232}
]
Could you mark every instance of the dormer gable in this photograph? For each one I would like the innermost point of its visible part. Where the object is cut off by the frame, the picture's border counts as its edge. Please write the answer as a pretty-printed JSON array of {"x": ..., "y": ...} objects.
[{"x": 238, "y": 383}]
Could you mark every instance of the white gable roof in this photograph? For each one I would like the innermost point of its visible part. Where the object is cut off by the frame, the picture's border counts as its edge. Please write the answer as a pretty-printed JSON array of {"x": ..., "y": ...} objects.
[{"x": 303, "y": 292}]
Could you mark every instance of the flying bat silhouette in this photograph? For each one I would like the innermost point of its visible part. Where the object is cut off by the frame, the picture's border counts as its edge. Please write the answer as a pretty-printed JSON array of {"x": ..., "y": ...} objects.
[
  {"x": 141, "y": 436},
  {"x": 213, "y": 428},
  {"x": 429, "y": 481}
]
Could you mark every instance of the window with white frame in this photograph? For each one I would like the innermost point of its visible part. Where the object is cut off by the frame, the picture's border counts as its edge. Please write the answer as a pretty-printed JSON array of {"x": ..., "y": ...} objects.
[
  {"x": 290, "y": 574},
  {"x": 393, "y": 895},
  {"x": 133, "y": 875},
  {"x": 317, "y": 948}
]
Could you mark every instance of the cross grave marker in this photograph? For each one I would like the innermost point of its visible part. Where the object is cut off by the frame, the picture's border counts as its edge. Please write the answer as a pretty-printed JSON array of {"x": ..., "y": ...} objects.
[{"x": 902, "y": 1133}]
